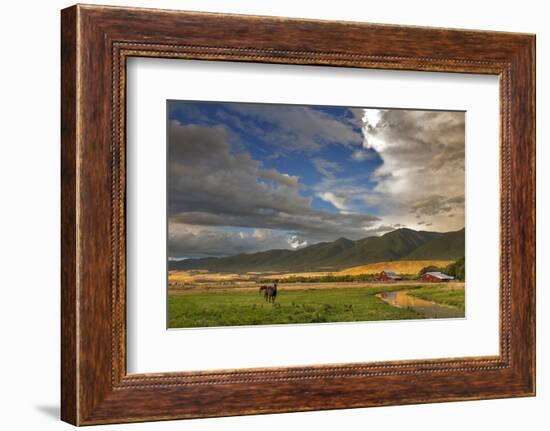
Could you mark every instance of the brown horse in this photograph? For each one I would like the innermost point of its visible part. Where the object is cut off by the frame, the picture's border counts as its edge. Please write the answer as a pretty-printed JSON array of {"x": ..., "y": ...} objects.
[{"x": 270, "y": 293}]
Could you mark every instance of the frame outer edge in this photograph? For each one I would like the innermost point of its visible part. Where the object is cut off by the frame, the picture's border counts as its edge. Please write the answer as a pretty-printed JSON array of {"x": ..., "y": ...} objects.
[
  {"x": 528, "y": 61},
  {"x": 69, "y": 197},
  {"x": 88, "y": 397},
  {"x": 523, "y": 216},
  {"x": 533, "y": 53}
]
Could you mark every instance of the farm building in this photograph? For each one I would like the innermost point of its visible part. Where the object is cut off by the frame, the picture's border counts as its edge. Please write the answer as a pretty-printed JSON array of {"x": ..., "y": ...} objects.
[
  {"x": 436, "y": 277},
  {"x": 388, "y": 276}
]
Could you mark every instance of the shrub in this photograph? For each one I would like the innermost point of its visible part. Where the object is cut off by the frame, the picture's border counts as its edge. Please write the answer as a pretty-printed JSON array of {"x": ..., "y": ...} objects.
[{"x": 456, "y": 269}]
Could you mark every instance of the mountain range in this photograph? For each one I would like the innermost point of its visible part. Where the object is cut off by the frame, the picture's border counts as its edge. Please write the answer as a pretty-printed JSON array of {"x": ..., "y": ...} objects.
[{"x": 400, "y": 244}]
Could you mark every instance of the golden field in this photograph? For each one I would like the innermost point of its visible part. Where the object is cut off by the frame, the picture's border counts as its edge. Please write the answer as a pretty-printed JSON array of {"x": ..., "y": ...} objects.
[
  {"x": 404, "y": 267},
  {"x": 408, "y": 267},
  {"x": 399, "y": 266}
]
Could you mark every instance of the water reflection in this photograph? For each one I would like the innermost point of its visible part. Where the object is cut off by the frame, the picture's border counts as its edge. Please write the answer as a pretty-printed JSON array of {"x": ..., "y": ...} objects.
[{"x": 428, "y": 309}]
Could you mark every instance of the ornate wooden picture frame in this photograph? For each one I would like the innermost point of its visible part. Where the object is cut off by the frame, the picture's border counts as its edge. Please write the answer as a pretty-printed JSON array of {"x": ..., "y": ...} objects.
[{"x": 96, "y": 41}]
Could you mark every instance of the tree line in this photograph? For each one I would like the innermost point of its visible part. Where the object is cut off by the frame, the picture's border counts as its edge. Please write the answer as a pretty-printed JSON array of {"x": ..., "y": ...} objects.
[{"x": 455, "y": 269}]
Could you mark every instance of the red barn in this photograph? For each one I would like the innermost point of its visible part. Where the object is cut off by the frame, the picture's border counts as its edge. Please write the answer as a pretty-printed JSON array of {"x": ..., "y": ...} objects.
[
  {"x": 436, "y": 277},
  {"x": 388, "y": 276}
]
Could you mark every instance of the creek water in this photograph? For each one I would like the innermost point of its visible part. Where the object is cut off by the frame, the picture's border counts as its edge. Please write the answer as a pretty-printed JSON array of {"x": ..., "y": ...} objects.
[{"x": 428, "y": 309}]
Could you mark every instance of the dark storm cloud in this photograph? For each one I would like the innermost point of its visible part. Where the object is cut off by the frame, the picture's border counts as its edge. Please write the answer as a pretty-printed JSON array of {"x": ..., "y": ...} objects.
[
  {"x": 287, "y": 128},
  {"x": 423, "y": 157},
  {"x": 437, "y": 204},
  {"x": 212, "y": 186},
  {"x": 296, "y": 127},
  {"x": 201, "y": 241},
  {"x": 429, "y": 140},
  {"x": 313, "y": 224}
]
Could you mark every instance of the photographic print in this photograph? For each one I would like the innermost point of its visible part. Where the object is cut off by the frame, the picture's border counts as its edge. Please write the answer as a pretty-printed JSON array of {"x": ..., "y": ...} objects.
[{"x": 290, "y": 214}]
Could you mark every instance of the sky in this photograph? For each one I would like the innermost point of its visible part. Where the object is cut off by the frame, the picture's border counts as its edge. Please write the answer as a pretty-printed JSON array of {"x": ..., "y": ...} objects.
[{"x": 247, "y": 177}]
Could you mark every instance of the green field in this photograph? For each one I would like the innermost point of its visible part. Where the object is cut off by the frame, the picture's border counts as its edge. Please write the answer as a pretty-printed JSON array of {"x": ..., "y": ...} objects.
[
  {"x": 234, "y": 308},
  {"x": 441, "y": 294}
]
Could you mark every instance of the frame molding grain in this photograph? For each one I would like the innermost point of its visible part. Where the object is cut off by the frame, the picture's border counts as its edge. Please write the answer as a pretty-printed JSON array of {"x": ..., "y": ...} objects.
[{"x": 96, "y": 42}]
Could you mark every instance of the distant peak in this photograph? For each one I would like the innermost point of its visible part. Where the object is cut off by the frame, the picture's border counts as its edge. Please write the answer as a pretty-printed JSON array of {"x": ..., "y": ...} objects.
[
  {"x": 400, "y": 230},
  {"x": 343, "y": 239}
]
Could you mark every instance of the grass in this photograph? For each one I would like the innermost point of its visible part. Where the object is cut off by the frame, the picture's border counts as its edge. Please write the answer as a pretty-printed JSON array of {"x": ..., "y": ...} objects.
[
  {"x": 228, "y": 308},
  {"x": 442, "y": 294}
]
